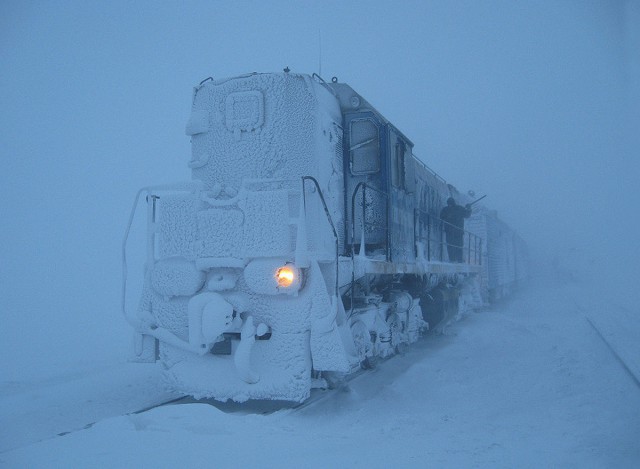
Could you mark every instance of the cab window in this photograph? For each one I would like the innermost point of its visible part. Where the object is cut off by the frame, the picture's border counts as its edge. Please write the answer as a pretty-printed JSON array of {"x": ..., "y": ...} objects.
[
  {"x": 398, "y": 165},
  {"x": 364, "y": 146}
]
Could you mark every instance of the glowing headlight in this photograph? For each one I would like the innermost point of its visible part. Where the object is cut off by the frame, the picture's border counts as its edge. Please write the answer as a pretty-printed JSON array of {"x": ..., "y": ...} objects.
[
  {"x": 273, "y": 276},
  {"x": 289, "y": 279},
  {"x": 285, "y": 276}
]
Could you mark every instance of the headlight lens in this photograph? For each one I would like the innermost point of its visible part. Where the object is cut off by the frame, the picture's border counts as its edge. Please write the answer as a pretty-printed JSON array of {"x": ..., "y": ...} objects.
[
  {"x": 289, "y": 279},
  {"x": 285, "y": 276}
]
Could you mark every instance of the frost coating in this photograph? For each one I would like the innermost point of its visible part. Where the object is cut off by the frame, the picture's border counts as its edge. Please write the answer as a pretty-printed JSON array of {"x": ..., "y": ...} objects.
[
  {"x": 262, "y": 209},
  {"x": 217, "y": 316},
  {"x": 244, "y": 111},
  {"x": 284, "y": 147},
  {"x": 176, "y": 276},
  {"x": 221, "y": 279},
  {"x": 198, "y": 123},
  {"x": 209, "y": 316},
  {"x": 178, "y": 226},
  {"x": 253, "y": 138},
  {"x": 242, "y": 358},
  {"x": 218, "y": 229}
]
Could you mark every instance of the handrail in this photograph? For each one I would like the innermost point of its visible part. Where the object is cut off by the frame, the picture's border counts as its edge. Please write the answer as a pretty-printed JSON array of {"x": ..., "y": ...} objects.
[
  {"x": 188, "y": 186},
  {"x": 124, "y": 257},
  {"x": 326, "y": 211},
  {"x": 325, "y": 84},
  {"x": 353, "y": 239},
  {"x": 477, "y": 240},
  {"x": 425, "y": 166},
  {"x": 353, "y": 215}
]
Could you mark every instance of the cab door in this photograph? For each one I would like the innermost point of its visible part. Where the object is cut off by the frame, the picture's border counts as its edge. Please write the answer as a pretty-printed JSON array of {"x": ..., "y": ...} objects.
[{"x": 366, "y": 192}]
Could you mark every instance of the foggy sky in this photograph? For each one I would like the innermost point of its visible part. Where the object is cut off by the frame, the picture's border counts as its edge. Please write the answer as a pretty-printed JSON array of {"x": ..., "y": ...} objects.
[{"x": 534, "y": 103}]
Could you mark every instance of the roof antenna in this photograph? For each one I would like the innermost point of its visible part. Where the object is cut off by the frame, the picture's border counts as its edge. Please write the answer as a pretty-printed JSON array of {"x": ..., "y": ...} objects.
[{"x": 319, "y": 53}]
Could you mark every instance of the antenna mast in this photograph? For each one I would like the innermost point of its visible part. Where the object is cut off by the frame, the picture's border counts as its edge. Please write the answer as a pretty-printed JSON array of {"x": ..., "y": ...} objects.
[{"x": 319, "y": 53}]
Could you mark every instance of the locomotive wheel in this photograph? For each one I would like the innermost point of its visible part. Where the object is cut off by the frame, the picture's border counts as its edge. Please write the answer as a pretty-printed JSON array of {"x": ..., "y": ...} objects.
[
  {"x": 362, "y": 342},
  {"x": 335, "y": 379},
  {"x": 395, "y": 327}
]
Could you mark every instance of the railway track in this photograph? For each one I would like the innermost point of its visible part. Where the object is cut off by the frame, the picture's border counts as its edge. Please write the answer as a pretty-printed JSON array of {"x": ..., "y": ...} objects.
[
  {"x": 616, "y": 354},
  {"x": 263, "y": 407},
  {"x": 318, "y": 395}
]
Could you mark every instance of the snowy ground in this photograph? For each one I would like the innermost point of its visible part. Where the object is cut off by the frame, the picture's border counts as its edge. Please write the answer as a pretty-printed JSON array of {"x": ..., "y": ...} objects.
[{"x": 527, "y": 383}]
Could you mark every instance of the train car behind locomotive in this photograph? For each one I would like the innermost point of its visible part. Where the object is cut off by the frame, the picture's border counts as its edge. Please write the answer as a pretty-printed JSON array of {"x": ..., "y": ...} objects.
[{"x": 307, "y": 244}]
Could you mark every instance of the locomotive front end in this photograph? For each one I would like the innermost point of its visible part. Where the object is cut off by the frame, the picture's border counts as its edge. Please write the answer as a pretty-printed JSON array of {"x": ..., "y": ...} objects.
[{"x": 237, "y": 289}]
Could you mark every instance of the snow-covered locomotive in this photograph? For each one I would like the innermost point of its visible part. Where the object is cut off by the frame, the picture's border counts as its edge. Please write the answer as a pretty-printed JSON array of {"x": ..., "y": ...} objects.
[{"x": 306, "y": 245}]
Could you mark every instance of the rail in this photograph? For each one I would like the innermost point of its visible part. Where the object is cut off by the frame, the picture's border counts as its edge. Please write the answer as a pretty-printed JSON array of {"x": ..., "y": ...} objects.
[
  {"x": 333, "y": 227},
  {"x": 322, "y": 81},
  {"x": 139, "y": 325},
  {"x": 424, "y": 165}
]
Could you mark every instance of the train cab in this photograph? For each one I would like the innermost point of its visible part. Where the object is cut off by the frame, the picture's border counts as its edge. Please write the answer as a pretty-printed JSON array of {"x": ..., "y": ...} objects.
[{"x": 379, "y": 182}]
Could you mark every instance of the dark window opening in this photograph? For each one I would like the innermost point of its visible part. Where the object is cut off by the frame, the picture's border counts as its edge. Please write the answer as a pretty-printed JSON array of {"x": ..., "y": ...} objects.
[
  {"x": 364, "y": 148},
  {"x": 398, "y": 169}
]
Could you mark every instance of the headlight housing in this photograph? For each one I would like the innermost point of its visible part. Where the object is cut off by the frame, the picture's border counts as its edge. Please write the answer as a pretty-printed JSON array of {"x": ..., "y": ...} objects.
[{"x": 273, "y": 276}]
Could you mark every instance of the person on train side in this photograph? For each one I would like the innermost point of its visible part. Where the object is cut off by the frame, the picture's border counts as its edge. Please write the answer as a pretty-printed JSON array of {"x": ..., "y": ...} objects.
[{"x": 453, "y": 216}]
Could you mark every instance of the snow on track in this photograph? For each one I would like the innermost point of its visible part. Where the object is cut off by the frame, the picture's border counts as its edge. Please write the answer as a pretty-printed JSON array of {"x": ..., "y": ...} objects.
[
  {"x": 40, "y": 411},
  {"x": 524, "y": 384}
]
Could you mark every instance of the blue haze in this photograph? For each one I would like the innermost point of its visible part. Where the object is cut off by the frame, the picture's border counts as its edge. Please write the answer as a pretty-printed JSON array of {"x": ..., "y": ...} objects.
[{"x": 534, "y": 103}]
